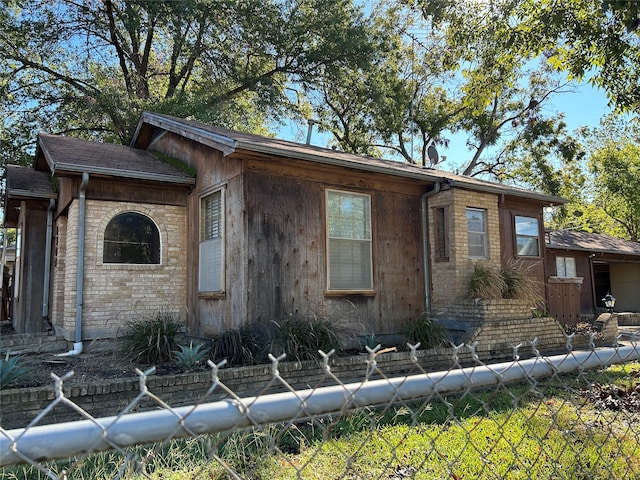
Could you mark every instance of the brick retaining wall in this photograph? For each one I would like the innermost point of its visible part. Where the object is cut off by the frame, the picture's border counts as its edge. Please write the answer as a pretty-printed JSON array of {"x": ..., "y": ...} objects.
[
  {"x": 495, "y": 342},
  {"x": 632, "y": 319},
  {"x": 17, "y": 344}
]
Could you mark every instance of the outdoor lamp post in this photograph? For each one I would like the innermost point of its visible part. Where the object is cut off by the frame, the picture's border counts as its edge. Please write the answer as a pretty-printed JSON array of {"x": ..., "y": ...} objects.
[{"x": 609, "y": 302}]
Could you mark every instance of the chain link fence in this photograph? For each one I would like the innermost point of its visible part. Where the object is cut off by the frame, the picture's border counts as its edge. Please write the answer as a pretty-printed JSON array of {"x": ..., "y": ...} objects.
[{"x": 570, "y": 416}]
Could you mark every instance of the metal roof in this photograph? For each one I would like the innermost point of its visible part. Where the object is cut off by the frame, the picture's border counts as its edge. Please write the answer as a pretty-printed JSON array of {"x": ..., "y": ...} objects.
[{"x": 232, "y": 142}]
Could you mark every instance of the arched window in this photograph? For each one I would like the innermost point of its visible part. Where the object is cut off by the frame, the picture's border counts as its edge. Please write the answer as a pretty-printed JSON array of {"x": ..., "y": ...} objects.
[{"x": 131, "y": 238}]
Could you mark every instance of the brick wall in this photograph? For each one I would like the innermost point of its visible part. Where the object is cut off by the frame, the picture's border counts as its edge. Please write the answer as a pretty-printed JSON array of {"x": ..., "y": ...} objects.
[
  {"x": 628, "y": 318},
  {"x": 17, "y": 344},
  {"x": 496, "y": 340},
  {"x": 117, "y": 293},
  {"x": 450, "y": 277},
  {"x": 499, "y": 336},
  {"x": 56, "y": 310},
  {"x": 476, "y": 311}
]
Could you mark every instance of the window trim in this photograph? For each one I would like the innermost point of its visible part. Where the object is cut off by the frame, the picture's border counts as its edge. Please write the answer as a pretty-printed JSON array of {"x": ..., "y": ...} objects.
[
  {"x": 348, "y": 291},
  {"x": 516, "y": 235},
  {"x": 208, "y": 293},
  {"x": 563, "y": 260},
  {"x": 104, "y": 240},
  {"x": 441, "y": 233},
  {"x": 484, "y": 233}
]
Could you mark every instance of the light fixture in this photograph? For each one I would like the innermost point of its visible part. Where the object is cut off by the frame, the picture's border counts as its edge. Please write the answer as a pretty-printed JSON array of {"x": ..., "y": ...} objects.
[{"x": 609, "y": 302}]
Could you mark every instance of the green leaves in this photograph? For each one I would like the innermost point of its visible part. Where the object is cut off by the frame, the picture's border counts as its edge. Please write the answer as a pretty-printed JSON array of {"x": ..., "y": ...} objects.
[{"x": 91, "y": 67}]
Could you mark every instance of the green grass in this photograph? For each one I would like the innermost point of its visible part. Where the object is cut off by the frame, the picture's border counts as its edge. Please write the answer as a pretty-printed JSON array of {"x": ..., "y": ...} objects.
[{"x": 545, "y": 431}]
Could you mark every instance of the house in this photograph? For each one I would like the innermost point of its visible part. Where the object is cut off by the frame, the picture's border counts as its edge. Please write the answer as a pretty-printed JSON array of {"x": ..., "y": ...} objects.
[
  {"x": 230, "y": 228},
  {"x": 584, "y": 267}
]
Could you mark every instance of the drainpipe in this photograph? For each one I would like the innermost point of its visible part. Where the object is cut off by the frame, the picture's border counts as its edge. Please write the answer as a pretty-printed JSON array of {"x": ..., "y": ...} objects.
[
  {"x": 425, "y": 244},
  {"x": 47, "y": 262},
  {"x": 77, "y": 346}
]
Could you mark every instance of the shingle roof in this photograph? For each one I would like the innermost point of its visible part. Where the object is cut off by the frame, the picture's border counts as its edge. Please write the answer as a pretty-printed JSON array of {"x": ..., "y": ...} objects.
[
  {"x": 590, "y": 242},
  {"x": 72, "y": 155},
  {"x": 231, "y": 141},
  {"x": 27, "y": 183}
]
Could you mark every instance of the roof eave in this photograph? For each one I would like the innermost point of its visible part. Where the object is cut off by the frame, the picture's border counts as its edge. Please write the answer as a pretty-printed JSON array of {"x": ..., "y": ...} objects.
[
  {"x": 589, "y": 250},
  {"x": 308, "y": 156},
  {"x": 21, "y": 194},
  {"x": 228, "y": 146},
  {"x": 219, "y": 142},
  {"x": 153, "y": 177}
]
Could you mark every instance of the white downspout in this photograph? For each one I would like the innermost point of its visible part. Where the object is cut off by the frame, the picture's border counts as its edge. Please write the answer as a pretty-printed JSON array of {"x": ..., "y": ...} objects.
[
  {"x": 425, "y": 245},
  {"x": 77, "y": 346}
]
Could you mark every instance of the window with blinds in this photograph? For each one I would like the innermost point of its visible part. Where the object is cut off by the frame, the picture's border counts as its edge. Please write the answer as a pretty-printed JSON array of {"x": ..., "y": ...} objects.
[
  {"x": 348, "y": 241},
  {"x": 211, "y": 243}
]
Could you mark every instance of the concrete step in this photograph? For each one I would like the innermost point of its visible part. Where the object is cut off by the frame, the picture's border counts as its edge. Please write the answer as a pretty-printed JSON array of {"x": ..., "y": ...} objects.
[{"x": 21, "y": 343}]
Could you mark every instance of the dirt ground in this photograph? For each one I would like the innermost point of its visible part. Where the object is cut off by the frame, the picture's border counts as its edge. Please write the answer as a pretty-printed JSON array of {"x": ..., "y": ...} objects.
[
  {"x": 86, "y": 367},
  {"x": 94, "y": 364}
]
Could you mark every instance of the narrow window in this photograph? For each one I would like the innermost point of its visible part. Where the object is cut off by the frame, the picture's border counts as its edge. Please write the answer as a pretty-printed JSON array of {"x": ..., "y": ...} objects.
[
  {"x": 441, "y": 226},
  {"x": 477, "y": 232},
  {"x": 349, "y": 241},
  {"x": 211, "y": 243},
  {"x": 133, "y": 238},
  {"x": 527, "y": 243},
  {"x": 566, "y": 267}
]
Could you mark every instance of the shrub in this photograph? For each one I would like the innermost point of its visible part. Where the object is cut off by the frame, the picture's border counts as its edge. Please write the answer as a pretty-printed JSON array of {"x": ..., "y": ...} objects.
[
  {"x": 11, "y": 370},
  {"x": 246, "y": 345},
  {"x": 425, "y": 331},
  {"x": 486, "y": 281},
  {"x": 151, "y": 340},
  {"x": 191, "y": 358},
  {"x": 301, "y": 337},
  {"x": 515, "y": 281},
  {"x": 521, "y": 283}
]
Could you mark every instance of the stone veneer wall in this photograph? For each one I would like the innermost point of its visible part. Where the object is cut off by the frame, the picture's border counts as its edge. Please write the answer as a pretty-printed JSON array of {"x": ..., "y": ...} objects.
[
  {"x": 117, "y": 293},
  {"x": 495, "y": 341},
  {"x": 449, "y": 278}
]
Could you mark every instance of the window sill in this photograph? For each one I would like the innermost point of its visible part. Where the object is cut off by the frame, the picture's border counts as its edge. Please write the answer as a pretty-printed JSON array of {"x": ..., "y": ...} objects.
[
  {"x": 212, "y": 295},
  {"x": 338, "y": 293}
]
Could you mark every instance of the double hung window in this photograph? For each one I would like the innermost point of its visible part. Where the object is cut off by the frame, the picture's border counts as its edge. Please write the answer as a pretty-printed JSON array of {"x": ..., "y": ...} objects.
[
  {"x": 211, "y": 278},
  {"x": 477, "y": 232},
  {"x": 349, "y": 263},
  {"x": 527, "y": 236}
]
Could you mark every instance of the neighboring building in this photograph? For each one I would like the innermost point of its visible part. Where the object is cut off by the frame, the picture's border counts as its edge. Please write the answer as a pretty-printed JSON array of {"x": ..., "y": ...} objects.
[
  {"x": 584, "y": 267},
  {"x": 230, "y": 228}
]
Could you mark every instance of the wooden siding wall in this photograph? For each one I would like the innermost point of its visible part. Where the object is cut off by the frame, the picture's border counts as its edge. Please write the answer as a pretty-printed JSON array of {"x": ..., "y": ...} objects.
[
  {"x": 27, "y": 302},
  {"x": 286, "y": 264},
  {"x": 509, "y": 208},
  {"x": 583, "y": 270},
  {"x": 211, "y": 314}
]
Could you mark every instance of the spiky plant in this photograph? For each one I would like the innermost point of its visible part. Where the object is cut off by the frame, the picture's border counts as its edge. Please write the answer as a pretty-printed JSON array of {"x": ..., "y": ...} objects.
[
  {"x": 11, "y": 370},
  {"x": 425, "y": 331},
  {"x": 485, "y": 281},
  {"x": 192, "y": 357},
  {"x": 151, "y": 340}
]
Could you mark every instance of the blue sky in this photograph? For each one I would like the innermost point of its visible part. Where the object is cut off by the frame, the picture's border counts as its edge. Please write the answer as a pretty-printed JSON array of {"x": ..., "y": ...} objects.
[{"x": 583, "y": 105}]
